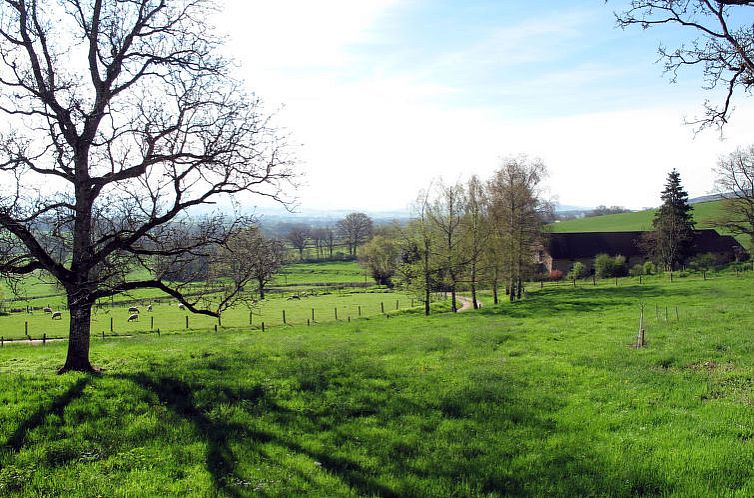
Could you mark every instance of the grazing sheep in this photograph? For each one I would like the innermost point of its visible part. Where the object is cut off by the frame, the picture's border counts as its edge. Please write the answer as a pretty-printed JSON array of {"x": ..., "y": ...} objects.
[
  {"x": 149, "y": 308},
  {"x": 181, "y": 306},
  {"x": 57, "y": 315},
  {"x": 47, "y": 309},
  {"x": 134, "y": 317},
  {"x": 293, "y": 297},
  {"x": 133, "y": 309}
]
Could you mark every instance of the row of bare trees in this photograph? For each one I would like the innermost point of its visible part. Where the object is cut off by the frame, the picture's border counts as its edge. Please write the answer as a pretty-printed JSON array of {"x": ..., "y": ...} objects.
[
  {"x": 467, "y": 234},
  {"x": 352, "y": 231}
]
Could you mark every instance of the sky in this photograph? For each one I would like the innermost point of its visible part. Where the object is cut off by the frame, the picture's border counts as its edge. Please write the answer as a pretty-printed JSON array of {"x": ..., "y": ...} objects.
[{"x": 381, "y": 97}]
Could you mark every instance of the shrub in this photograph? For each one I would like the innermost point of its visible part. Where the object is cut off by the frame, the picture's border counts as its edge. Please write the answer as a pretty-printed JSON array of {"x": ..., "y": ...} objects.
[
  {"x": 556, "y": 275},
  {"x": 649, "y": 268},
  {"x": 620, "y": 267},
  {"x": 636, "y": 270},
  {"x": 706, "y": 262},
  {"x": 603, "y": 266},
  {"x": 606, "y": 266},
  {"x": 578, "y": 270}
]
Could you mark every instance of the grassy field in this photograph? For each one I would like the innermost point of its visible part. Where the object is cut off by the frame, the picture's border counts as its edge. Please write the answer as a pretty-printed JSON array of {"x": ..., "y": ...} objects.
[
  {"x": 169, "y": 318},
  {"x": 704, "y": 214},
  {"x": 333, "y": 272},
  {"x": 545, "y": 397}
]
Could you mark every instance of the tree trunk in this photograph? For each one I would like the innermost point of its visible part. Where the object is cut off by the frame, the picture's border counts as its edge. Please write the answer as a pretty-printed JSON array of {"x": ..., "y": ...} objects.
[
  {"x": 473, "y": 286},
  {"x": 78, "y": 337},
  {"x": 426, "y": 278},
  {"x": 261, "y": 290},
  {"x": 512, "y": 290},
  {"x": 453, "y": 302},
  {"x": 518, "y": 289}
]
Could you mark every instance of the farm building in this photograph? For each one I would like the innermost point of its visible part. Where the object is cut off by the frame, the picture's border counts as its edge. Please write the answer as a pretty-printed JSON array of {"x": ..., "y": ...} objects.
[{"x": 562, "y": 250}]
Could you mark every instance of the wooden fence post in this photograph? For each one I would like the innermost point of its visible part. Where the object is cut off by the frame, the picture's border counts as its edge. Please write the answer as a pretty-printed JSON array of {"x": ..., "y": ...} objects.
[
  {"x": 111, "y": 325},
  {"x": 336, "y": 313},
  {"x": 151, "y": 323},
  {"x": 262, "y": 326},
  {"x": 640, "y": 338},
  {"x": 382, "y": 307},
  {"x": 186, "y": 321},
  {"x": 284, "y": 322}
]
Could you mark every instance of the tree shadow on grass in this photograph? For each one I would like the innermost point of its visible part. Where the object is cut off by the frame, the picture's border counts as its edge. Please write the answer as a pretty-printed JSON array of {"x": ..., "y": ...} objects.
[
  {"x": 585, "y": 299},
  {"x": 178, "y": 396},
  {"x": 56, "y": 407}
]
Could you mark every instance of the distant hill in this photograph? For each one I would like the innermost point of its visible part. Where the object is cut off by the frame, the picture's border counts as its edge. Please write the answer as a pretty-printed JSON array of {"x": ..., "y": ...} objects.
[{"x": 704, "y": 215}]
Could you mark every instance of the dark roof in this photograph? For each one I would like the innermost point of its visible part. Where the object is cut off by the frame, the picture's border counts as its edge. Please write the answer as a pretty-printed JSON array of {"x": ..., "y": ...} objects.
[
  {"x": 583, "y": 245},
  {"x": 711, "y": 241}
]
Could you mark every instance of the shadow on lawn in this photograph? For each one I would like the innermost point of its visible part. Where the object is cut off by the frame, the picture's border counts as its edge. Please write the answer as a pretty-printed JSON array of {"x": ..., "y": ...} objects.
[
  {"x": 56, "y": 407},
  {"x": 220, "y": 461},
  {"x": 585, "y": 298}
]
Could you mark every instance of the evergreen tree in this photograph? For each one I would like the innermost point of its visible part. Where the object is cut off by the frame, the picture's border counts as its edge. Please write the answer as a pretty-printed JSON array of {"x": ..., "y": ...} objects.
[{"x": 673, "y": 225}]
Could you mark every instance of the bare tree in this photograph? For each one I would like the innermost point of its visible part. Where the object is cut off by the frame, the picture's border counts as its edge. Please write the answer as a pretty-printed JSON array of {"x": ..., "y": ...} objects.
[
  {"x": 446, "y": 214},
  {"x": 354, "y": 230},
  {"x": 250, "y": 256},
  {"x": 420, "y": 248},
  {"x": 329, "y": 240},
  {"x": 123, "y": 117},
  {"x": 735, "y": 181},
  {"x": 723, "y": 49},
  {"x": 476, "y": 227},
  {"x": 319, "y": 239},
  {"x": 518, "y": 212},
  {"x": 298, "y": 235}
]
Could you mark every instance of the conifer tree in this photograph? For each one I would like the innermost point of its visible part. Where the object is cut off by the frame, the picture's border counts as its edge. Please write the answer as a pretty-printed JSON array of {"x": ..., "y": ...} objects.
[{"x": 673, "y": 225}]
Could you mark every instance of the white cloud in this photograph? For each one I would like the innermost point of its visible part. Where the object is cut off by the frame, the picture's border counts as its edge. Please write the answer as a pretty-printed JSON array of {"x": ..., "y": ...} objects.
[{"x": 371, "y": 141}]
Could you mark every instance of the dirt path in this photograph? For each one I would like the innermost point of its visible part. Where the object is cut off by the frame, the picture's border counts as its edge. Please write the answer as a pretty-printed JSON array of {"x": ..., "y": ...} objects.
[{"x": 466, "y": 303}]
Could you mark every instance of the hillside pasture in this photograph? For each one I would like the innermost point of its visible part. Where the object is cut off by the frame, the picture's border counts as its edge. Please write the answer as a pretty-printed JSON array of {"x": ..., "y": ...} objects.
[
  {"x": 543, "y": 397},
  {"x": 169, "y": 318}
]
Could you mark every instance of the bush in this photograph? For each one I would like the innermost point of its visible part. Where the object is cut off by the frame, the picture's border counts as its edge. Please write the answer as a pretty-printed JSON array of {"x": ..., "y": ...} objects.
[
  {"x": 636, "y": 270},
  {"x": 578, "y": 270},
  {"x": 620, "y": 266},
  {"x": 606, "y": 266},
  {"x": 556, "y": 275},
  {"x": 706, "y": 262},
  {"x": 649, "y": 268}
]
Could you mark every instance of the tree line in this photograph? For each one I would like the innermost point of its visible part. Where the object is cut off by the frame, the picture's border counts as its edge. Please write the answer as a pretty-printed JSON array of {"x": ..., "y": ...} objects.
[
  {"x": 350, "y": 233},
  {"x": 466, "y": 235}
]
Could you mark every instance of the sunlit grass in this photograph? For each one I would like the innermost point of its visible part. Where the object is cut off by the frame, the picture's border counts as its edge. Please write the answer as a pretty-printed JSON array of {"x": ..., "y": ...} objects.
[{"x": 544, "y": 397}]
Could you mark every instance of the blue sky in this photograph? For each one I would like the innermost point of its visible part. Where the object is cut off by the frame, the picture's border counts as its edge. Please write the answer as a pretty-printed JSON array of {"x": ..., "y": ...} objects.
[{"x": 386, "y": 95}]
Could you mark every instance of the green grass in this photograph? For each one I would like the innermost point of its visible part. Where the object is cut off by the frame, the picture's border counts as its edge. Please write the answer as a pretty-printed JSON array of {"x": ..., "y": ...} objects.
[
  {"x": 333, "y": 272},
  {"x": 545, "y": 397},
  {"x": 704, "y": 214},
  {"x": 169, "y": 318}
]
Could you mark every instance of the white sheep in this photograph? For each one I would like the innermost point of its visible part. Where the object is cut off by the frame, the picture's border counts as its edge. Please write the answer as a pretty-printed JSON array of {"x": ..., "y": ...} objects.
[
  {"x": 47, "y": 309},
  {"x": 181, "y": 306},
  {"x": 57, "y": 315},
  {"x": 133, "y": 309},
  {"x": 149, "y": 308},
  {"x": 134, "y": 317}
]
